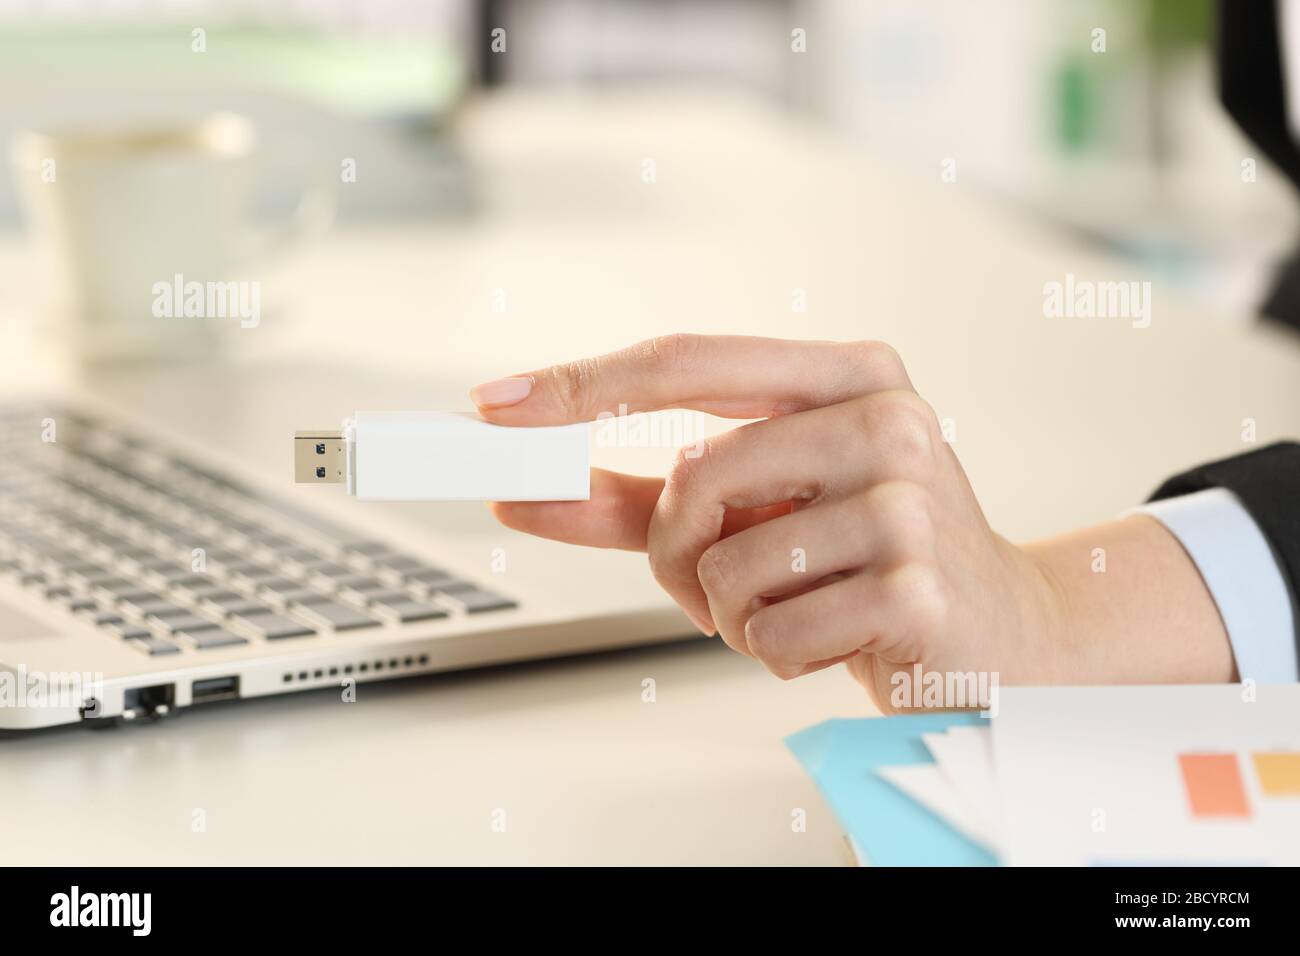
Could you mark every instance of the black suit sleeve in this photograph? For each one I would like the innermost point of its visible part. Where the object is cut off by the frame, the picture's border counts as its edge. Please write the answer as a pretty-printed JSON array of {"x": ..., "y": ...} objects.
[{"x": 1267, "y": 483}]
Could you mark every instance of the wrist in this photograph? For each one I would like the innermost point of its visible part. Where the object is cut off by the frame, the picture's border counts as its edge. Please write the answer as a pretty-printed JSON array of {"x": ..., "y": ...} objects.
[
  {"x": 1122, "y": 602},
  {"x": 1043, "y": 651}
]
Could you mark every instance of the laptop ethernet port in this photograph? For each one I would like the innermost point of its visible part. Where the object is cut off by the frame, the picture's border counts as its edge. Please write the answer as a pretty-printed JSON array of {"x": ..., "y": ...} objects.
[
  {"x": 214, "y": 688},
  {"x": 155, "y": 701}
]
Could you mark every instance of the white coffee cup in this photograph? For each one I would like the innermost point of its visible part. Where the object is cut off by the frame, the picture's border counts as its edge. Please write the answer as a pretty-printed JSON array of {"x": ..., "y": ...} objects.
[{"x": 146, "y": 237}]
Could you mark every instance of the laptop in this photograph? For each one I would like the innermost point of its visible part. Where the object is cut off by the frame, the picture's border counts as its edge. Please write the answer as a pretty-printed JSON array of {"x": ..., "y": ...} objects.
[{"x": 156, "y": 556}]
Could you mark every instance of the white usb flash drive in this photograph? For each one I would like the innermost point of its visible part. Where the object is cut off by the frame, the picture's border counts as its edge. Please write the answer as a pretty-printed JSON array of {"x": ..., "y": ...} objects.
[{"x": 446, "y": 456}]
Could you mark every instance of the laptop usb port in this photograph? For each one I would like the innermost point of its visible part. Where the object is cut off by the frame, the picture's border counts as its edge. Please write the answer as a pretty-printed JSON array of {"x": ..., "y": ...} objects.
[{"x": 214, "y": 688}]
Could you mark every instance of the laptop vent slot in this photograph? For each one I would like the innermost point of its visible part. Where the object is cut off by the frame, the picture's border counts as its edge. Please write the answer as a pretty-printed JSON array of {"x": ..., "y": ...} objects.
[{"x": 359, "y": 667}]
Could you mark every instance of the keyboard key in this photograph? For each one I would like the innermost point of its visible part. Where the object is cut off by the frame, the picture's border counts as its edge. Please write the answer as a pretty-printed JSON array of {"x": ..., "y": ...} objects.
[
  {"x": 170, "y": 576},
  {"x": 403, "y": 607},
  {"x": 388, "y": 596},
  {"x": 83, "y": 569},
  {"x": 426, "y": 575},
  {"x": 303, "y": 595},
  {"x": 478, "y": 601},
  {"x": 328, "y": 570},
  {"x": 367, "y": 548},
  {"x": 185, "y": 622},
  {"x": 95, "y": 579},
  {"x": 250, "y": 570},
  {"x": 130, "y": 631},
  {"x": 123, "y": 589},
  {"x": 206, "y": 639},
  {"x": 153, "y": 606},
  {"x": 451, "y": 585},
  {"x": 155, "y": 646},
  {"x": 230, "y": 602},
  {"x": 43, "y": 546},
  {"x": 163, "y": 566},
  {"x": 412, "y": 611},
  {"x": 340, "y": 617},
  {"x": 273, "y": 627},
  {"x": 400, "y": 563},
  {"x": 199, "y": 595},
  {"x": 166, "y": 533},
  {"x": 55, "y": 559},
  {"x": 359, "y": 582},
  {"x": 220, "y": 556},
  {"x": 280, "y": 585},
  {"x": 132, "y": 557},
  {"x": 273, "y": 541},
  {"x": 298, "y": 555},
  {"x": 192, "y": 583}
]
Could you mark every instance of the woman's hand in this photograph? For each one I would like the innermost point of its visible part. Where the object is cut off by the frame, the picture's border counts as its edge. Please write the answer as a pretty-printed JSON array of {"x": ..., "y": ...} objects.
[{"x": 841, "y": 528}]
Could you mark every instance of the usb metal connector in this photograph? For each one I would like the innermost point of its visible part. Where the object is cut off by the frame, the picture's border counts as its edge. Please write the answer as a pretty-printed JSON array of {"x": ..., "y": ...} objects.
[{"x": 319, "y": 457}]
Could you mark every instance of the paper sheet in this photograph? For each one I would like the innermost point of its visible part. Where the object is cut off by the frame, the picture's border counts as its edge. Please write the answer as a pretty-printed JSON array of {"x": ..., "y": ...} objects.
[
  {"x": 885, "y": 826},
  {"x": 930, "y": 787},
  {"x": 1147, "y": 775},
  {"x": 965, "y": 755}
]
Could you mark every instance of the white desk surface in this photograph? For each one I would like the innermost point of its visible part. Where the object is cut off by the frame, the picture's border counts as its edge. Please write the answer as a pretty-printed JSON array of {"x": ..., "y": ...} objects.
[{"x": 1059, "y": 422}]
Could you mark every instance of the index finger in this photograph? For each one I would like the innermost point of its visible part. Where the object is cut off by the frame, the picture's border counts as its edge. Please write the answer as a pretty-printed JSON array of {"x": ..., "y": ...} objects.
[{"x": 733, "y": 376}]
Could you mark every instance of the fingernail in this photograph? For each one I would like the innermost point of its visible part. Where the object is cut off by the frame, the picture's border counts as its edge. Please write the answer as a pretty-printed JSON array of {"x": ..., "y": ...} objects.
[{"x": 504, "y": 391}]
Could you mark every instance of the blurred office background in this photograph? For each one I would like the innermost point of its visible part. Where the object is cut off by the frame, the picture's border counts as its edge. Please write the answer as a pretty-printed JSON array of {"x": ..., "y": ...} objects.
[{"x": 1126, "y": 146}]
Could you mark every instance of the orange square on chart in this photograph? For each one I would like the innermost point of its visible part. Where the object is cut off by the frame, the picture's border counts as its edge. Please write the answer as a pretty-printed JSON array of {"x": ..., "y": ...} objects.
[
  {"x": 1279, "y": 773},
  {"x": 1214, "y": 787}
]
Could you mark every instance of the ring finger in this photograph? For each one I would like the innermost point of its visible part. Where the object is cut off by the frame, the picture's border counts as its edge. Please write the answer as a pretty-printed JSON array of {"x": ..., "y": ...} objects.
[
  {"x": 797, "y": 553},
  {"x": 813, "y": 455}
]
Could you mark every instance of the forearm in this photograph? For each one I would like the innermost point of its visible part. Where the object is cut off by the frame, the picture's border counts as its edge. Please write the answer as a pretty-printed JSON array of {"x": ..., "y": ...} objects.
[{"x": 1130, "y": 607}]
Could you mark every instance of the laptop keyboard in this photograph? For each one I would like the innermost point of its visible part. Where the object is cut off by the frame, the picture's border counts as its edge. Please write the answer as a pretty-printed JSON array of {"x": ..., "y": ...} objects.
[{"x": 171, "y": 557}]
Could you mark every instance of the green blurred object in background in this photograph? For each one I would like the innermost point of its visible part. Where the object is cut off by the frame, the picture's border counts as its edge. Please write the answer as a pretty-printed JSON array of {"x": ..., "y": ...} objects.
[
  {"x": 1176, "y": 26},
  {"x": 1076, "y": 94},
  {"x": 1085, "y": 85},
  {"x": 352, "y": 73}
]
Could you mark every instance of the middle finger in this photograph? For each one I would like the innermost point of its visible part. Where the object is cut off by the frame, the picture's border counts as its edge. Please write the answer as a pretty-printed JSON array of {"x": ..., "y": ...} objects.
[{"x": 822, "y": 453}]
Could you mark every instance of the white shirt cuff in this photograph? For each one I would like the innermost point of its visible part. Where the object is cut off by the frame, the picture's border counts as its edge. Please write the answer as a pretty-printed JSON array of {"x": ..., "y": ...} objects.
[{"x": 1242, "y": 575}]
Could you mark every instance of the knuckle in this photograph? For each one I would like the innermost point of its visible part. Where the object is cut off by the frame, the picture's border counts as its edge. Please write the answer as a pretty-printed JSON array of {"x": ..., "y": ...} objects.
[
  {"x": 905, "y": 423},
  {"x": 689, "y": 464},
  {"x": 761, "y": 636},
  {"x": 572, "y": 384},
  {"x": 882, "y": 362},
  {"x": 716, "y": 569},
  {"x": 903, "y": 510},
  {"x": 661, "y": 568},
  {"x": 918, "y": 591},
  {"x": 670, "y": 353},
  {"x": 673, "y": 569},
  {"x": 765, "y": 643}
]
